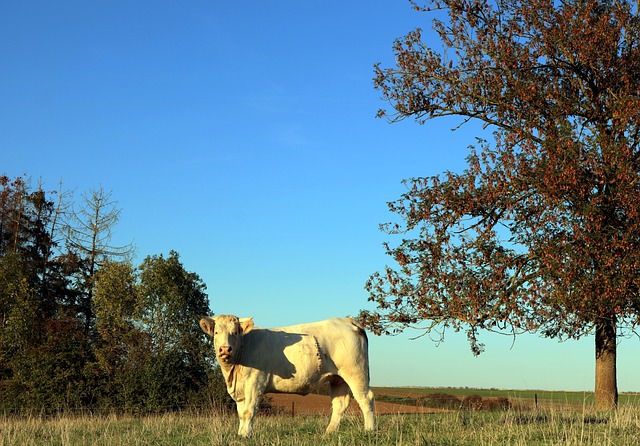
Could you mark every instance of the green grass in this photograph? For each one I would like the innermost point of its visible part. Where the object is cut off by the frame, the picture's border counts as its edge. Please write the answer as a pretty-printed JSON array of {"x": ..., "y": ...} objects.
[
  {"x": 561, "y": 418},
  {"x": 549, "y": 427}
]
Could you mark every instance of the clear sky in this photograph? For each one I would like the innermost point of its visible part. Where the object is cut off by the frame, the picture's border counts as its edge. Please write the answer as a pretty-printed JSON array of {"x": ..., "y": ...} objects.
[{"x": 242, "y": 134}]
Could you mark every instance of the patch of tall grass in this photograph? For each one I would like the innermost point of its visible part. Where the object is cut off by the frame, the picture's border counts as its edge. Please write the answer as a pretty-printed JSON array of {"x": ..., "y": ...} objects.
[{"x": 513, "y": 427}]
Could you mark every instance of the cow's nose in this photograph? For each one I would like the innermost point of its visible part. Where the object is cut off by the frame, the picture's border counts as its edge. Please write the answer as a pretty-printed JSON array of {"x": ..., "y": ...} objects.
[{"x": 225, "y": 349}]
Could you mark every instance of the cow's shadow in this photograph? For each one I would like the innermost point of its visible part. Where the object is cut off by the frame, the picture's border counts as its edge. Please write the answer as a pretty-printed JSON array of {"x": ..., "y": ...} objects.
[{"x": 265, "y": 350}]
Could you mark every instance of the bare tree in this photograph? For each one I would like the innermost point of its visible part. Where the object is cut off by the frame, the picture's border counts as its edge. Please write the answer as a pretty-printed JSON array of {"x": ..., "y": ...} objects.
[{"x": 89, "y": 238}]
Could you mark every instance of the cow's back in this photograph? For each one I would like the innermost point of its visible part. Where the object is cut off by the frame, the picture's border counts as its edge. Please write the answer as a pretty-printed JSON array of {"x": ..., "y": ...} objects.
[
  {"x": 342, "y": 342},
  {"x": 299, "y": 358}
]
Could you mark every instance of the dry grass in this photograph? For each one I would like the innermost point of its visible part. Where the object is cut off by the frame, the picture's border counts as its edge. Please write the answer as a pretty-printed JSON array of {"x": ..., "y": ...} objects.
[{"x": 558, "y": 427}]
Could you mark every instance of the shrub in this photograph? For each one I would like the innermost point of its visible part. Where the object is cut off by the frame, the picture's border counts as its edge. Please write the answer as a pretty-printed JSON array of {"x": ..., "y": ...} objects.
[
  {"x": 476, "y": 402},
  {"x": 473, "y": 402},
  {"x": 440, "y": 401}
]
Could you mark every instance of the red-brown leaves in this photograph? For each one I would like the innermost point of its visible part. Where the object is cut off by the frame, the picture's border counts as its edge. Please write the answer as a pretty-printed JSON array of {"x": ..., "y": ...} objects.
[{"x": 542, "y": 231}]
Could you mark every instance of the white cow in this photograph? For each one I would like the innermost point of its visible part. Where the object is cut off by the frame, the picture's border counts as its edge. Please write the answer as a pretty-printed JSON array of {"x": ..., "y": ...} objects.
[{"x": 296, "y": 359}]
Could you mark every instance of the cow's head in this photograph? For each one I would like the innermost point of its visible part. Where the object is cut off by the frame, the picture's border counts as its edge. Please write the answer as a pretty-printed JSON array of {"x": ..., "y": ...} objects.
[{"x": 227, "y": 334}]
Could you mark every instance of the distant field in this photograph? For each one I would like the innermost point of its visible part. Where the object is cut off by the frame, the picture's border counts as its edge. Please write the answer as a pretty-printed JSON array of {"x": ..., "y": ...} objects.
[
  {"x": 543, "y": 396},
  {"x": 421, "y": 399}
]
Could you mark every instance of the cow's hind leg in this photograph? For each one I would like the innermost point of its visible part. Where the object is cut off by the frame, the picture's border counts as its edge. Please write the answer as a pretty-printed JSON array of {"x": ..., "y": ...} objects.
[
  {"x": 364, "y": 396},
  {"x": 365, "y": 401},
  {"x": 339, "y": 402}
]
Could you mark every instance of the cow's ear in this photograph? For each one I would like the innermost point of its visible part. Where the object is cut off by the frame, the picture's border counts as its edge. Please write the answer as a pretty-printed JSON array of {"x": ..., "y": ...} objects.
[
  {"x": 208, "y": 325},
  {"x": 246, "y": 324}
]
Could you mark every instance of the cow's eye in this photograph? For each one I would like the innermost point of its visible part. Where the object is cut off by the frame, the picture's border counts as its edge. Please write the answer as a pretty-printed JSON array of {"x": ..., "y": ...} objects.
[{"x": 235, "y": 333}]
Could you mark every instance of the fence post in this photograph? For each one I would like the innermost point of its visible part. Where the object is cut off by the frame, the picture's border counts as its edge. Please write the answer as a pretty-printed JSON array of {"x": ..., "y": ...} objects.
[{"x": 293, "y": 409}]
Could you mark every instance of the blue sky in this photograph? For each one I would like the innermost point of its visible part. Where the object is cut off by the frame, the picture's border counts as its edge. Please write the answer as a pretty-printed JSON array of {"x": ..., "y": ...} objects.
[{"x": 243, "y": 136}]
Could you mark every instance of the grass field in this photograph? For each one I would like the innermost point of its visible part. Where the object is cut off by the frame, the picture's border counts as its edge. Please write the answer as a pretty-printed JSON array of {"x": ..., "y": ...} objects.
[
  {"x": 555, "y": 424},
  {"x": 456, "y": 428}
]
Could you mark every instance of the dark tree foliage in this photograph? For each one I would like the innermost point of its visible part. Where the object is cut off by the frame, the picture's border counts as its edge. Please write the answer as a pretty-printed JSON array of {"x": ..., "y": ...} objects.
[
  {"x": 81, "y": 330},
  {"x": 542, "y": 231}
]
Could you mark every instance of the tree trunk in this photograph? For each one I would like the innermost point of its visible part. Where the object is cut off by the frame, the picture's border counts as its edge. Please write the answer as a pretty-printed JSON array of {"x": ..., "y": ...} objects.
[{"x": 606, "y": 385}]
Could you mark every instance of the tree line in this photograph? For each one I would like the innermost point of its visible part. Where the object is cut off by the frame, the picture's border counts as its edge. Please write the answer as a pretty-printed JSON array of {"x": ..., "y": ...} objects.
[{"x": 82, "y": 327}]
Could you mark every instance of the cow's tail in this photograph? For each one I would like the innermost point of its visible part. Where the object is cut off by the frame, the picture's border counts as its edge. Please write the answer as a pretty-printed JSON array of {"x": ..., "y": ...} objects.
[{"x": 362, "y": 334}]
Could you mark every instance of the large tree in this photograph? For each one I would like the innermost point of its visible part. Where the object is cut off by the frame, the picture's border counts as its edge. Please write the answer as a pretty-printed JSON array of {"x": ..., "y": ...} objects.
[
  {"x": 169, "y": 300},
  {"x": 38, "y": 336},
  {"x": 542, "y": 231}
]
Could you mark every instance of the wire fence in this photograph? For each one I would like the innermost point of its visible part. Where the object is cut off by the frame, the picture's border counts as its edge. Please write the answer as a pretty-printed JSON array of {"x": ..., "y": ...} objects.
[{"x": 203, "y": 409}]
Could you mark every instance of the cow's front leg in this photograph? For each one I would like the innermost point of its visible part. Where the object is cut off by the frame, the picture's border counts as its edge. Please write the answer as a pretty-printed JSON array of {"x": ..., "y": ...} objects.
[
  {"x": 243, "y": 430},
  {"x": 246, "y": 411}
]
